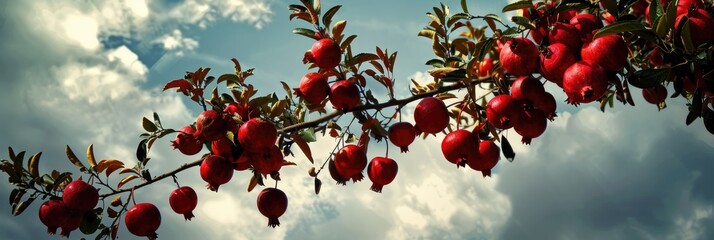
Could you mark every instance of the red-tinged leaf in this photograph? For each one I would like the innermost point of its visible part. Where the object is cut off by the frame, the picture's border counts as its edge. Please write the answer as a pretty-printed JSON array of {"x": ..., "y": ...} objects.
[
  {"x": 381, "y": 54},
  {"x": 237, "y": 64},
  {"x": 376, "y": 66},
  {"x": 112, "y": 213},
  {"x": 252, "y": 183},
  {"x": 73, "y": 159},
  {"x": 392, "y": 60},
  {"x": 113, "y": 168},
  {"x": 313, "y": 13},
  {"x": 116, "y": 201},
  {"x": 303, "y": 146},
  {"x": 288, "y": 163},
  {"x": 182, "y": 85},
  {"x": 104, "y": 164},
  {"x": 301, "y": 15},
  {"x": 126, "y": 180},
  {"x": 115, "y": 230},
  {"x": 127, "y": 170}
]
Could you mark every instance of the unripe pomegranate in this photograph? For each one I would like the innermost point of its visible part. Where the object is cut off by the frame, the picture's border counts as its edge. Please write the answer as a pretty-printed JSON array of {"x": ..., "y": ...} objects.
[
  {"x": 546, "y": 103},
  {"x": 216, "y": 170},
  {"x": 487, "y": 157},
  {"x": 210, "y": 126},
  {"x": 381, "y": 171},
  {"x": 701, "y": 26},
  {"x": 566, "y": 34},
  {"x": 80, "y": 195},
  {"x": 402, "y": 134},
  {"x": 183, "y": 200},
  {"x": 584, "y": 82},
  {"x": 458, "y": 146},
  {"x": 503, "y": 111},
  {"x": 313, "y": 87},
  {"x": 350, "y": 161},
  {"x": 268, "y": 162},
  {"x": 186, "y": 142},
  {"x": 519, "y": 57},
  {"x": 655, "y": 95},
  {"x": 71, "y": 221},
  {"x": 431, "y": 115},
  {"x": 344, "y": 95},
  {"x": 241, "y": 109},
  {"x": 143, "y": 220},
  {"x": 272, "y": 203},
  {"x": 531, "y": 125},
  {"x": 586, "y": 23},
  {"x": 527, "y": 89},
  {"x": 52, "y": 214},
  {"x": 610, "y": 52},
  {"x": 554, "y": 60},
  {"x": 257, "y": 135},
  {"x": 325, "y": 53}
]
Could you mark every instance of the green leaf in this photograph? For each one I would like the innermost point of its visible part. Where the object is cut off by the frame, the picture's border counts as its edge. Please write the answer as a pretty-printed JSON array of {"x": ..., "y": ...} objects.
[
  {"x": 308, "y": 135},
  {"x": 305, "y": 32},
  {"x": 493, "y": 16},
  {"x": 522, "y": 21},
  {"x": 464, "y": 6},
  {"x": 318, "y": 185},
  {"x": 73, "y": 159},
  {"x": 656, "y": 11},
  {"x": 648, "y": 78},
  {"x": 437, "y": 63},
  {"x": 23, "y": 205},
  {"x": 141, "y": 150},
  {"x": 686, "y": 35},
  {"x": 362, "y": 57},
  {"x": 148, "y": 125},
  {"x": 157, "y": 120},
  {"x": 231, "y": 78},
  {"x": 287, "y": 90},
  {"x": 619, "y": 27},
  {"x": 263, "y": 101},
  {"x": 90, "y": 221},
  {"x": 517, "y": 6},
  {"x": 327, "y": 17}
]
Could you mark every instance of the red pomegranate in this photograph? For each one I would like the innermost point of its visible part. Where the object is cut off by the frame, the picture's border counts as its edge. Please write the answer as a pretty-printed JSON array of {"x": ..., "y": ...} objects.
[
  {"x": 257, "y": 135},
  {"x": 686, "y": 6},
  {"x": 546, "y": 103},
  {"x": 701, "y": 26},
  {"x": 656, "y": 57},
  {"x": 350, "y": 161},
  {"x": 519, "y": 57},
  {"x": 381, "y": 171},
  {"x": 402, "y": 134},
  {"x": 503, "y": 111},
  {"x": 241, "y": 109},
  {"x": 272, "y": 203},
  {"x": 527, "y": 89},
  {"x": 143, "y": 219},
  {"x": 344, "y": 95},
  {"x": 639, "y": 7},
  {"x": 186, "y": 142},
  {"x": 487, "y": 158},
  {"x": 183, "y": 200},
  {"x": 532, "y": 125},
  {"x": 539, "y": 33},
  {"x": 458, "y": 146},
  {"x": 554, "y": 60},
  {"x": 52, "y": 214},
  {"x": 210, "y": 126},
  {"x": 225, "y": 148},
  {"x": 80, "y": 196},
  {"x": 655, "y": 95},
  {"x": 335, "y": 175},
  {"x": 216, "y": 170},
  {"x": 584, "y": 82},
  {"x": 586, "y": 23},
  {"x": 485, "y": 67},
  {"x": 431, "y": 115},
  {"x": 268, "y": 162},
  {"x": 325, "y": 53},
  {"x": 70, "y": 222},
  {"x": 566, "y": 34},
  {"x": 313, "y": 87},
  {"x": 610, "y": 52}
]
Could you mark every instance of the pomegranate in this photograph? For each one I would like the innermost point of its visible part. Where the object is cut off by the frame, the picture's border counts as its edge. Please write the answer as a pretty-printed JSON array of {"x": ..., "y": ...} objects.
[
  {"x": 655, "y": 95},
  {"x": 257, "y": 135},
  {"x": 186, "y": 142},
  {"x": 610, "y": 52},
  {"x": 241, "y": 109},
  {"x": 458, "y": 146},
  {"x": 268, "y": 162},
  {"x": 527, "y": 89},
  {"x": 143, "y": 219},
  {"x": 381, "y": 171},
  {"x": 183, "y": 200},
  {"x": 546, "y": 103},
  {"x": 686, "y": 6},
  {"x": 584, "y": 82},
  {"x": 52, "y": 214},
  {"x": 531, "y": 125},
  {"x": 519, "y": 57},
  {"x": 639, "y": 7},
  {"x": 216, "y": 170},
  {"x": 566, "y": 34},
  {"x": 225, "y": 148},
  {"x": 586, "y": 23},
  {"x": 402, "y": 134},
  {"x": 325, "y": 53},
  {"x": 554, "y": 60},
  {"x": 539, "y": 33},
  {"x": 344, "y": 95},
  {"x": 350, "y": 161},
  {"x": 272, "y": 203},
  {"x": 80, "y": 195},
  {"x": 70, "y": 221},
  {"x": 335, "y": 175},
  {"x": 210, "y": 126},
  {"x": 485, "y": 67},
  {"x": 656, "y": 57},
  {"x": 503, "y": 111},
  {"x": 313, "y": 87},
  {"x": 431, "y": 115},
  {"x": 701, "y": 26},
  {"x": 487, "y": 158}
]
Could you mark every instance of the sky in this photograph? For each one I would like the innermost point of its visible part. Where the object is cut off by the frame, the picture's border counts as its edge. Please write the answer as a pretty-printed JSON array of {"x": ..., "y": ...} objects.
[{"x": 85, "y": 72}]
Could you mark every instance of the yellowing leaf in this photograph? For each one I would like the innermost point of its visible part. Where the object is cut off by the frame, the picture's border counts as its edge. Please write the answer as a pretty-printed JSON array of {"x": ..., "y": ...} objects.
[
  {"x": 126, "y": 180},
  {"x": 90, "y": 155},
  {"x": 303, "y": 146}
]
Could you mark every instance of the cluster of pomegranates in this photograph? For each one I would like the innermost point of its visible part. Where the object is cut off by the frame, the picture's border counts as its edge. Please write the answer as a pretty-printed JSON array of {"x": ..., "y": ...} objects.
[{"x": 67, "y": 212}]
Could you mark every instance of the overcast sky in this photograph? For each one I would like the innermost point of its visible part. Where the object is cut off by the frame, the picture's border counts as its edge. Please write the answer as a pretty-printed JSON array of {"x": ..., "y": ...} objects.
[{"x": 81, "y": 72}]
